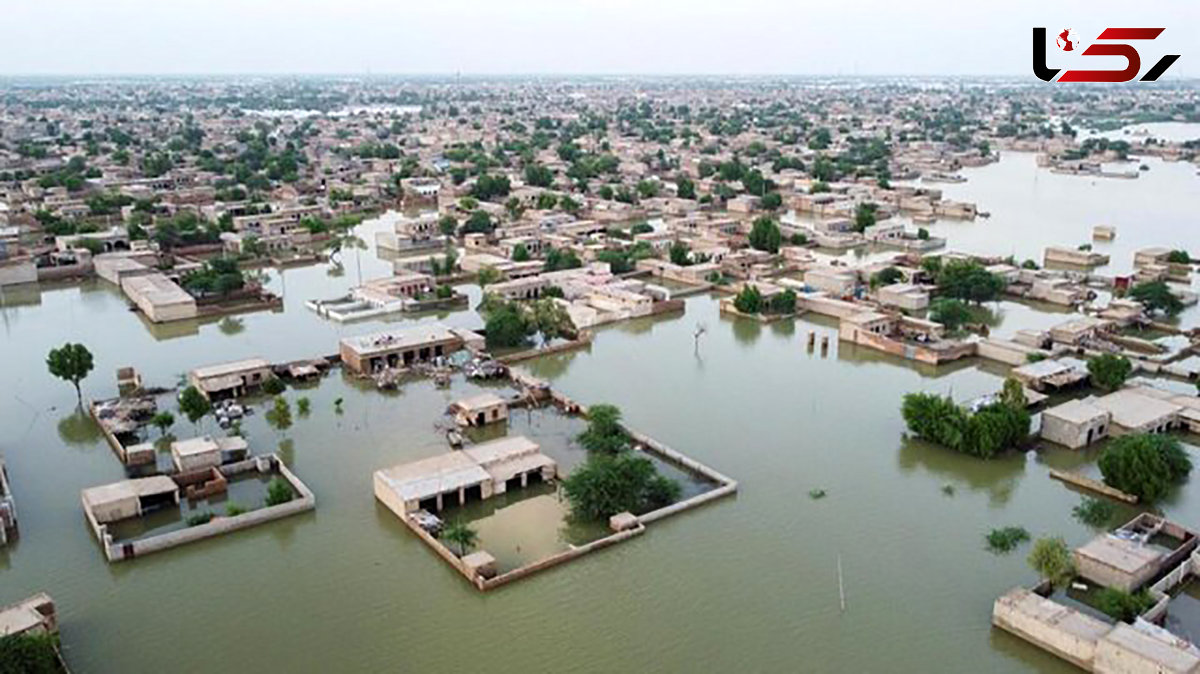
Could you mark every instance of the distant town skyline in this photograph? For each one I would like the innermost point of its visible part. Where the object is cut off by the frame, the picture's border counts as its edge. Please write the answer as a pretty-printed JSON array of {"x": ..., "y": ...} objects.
[{"x": 583, "y": 37}]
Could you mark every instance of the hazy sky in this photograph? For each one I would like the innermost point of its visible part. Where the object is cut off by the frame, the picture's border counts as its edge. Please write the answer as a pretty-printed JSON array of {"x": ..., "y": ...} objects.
[{"x": 925, "y": 37}]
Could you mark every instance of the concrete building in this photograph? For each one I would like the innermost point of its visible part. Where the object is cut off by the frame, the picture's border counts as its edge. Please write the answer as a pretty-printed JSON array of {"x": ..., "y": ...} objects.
[
  {"x": 1075, "y": 424},
  {"x": 231, "y": 380},
  {"x": 1133, "y": 410},
  {"x": 833, "y": 280},
  {"x": 478, "y": 472},
  {"x": 904, "y": 296},
  {"x": 1073, "y": 257},
  {"x": 1079, "y": 331},
  {"x": 1049, "y": 374},
  {"x": 204, "y": 452},
  {"x": 372, "y": 353},
  {"x": 159, "y": 298},
  {"x": 480, "y": 410},
  {"x": 35, "y": 615},
  {"x": 129, "y": 498},
  {"x": 1124, "y": 560}
]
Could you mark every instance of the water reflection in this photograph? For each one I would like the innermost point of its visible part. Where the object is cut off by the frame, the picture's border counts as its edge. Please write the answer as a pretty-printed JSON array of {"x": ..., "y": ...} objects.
[
  {"x": 78, "y": 429},
  {"x": 997, "y": 477},
  {"x": 231, "y": 325}
]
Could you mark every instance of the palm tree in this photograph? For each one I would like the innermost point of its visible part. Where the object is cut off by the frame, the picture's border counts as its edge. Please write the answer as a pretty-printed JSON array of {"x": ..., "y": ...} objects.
[{"x": 460, "y": 534}]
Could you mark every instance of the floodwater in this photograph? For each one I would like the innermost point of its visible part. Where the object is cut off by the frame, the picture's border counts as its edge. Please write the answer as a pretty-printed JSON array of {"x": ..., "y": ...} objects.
[{"x": 748, "y": 583}]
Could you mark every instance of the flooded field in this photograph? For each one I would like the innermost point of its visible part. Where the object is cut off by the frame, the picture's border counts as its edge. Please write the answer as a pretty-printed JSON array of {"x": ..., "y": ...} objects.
[{"x": 347, "y": 587}]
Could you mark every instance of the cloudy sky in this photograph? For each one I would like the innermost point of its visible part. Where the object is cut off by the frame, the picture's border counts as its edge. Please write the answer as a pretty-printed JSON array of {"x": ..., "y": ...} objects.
[{"x": 922, "y": 37}]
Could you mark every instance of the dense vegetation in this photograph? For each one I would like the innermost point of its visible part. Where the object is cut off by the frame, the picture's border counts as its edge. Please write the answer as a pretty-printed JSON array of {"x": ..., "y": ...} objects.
[
  {"x": 1109, "y": 371},
  {"x": 1001, "y": 425},
  {"x": 614, "y": 480},
  {"x": 1145, "y": 465}
]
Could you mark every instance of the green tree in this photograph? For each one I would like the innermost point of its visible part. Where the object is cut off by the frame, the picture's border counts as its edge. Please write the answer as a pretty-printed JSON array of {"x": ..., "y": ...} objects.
[
  {"x": 552, "y": 319},
  {"x": 608, "y": 484},
  {"x": 29, "y": 653},
  {"x": 162, "y": 421},
  {"x": 969, "y": 281},
  {"x": 749, "y": 300},
  {"x": 1013, "y": 393},
  {"x": 448, "y": 225},
  {"x": 279, "y": 492},
  {"x": 771, "y": 201},
  {"x": 680, "y": 254},
  {"x": 71, "y": 362},
  {"x": 1051, "y": 559},
  {"x": 765, "y": 235},
  {"x": 538, "y": 175},
  {"x": 558, "y": 259},
  {"x": 865, "y": 215},
  {"x": 479, "y": 222},
  {"x": 569, "y": 205},
  {"x": 782, "y": 302},
  {"x": 280, "y": 414},
  {"x": 1145, "y": 465},
  {"x": 604, "y": 432},
  {"x": 520, "y": 253},
  {"x": 461, "y": 535},
  {"x": 193, "y": 404},
  {"x": 949, "y": 312},
  {"x": 1122, "y": 605},
  {"x": 685, "y": 188},
  {"x": 1109, "y": 371},
  {"x": 507, "y": 327},
  {"x": 886, "y": 277},
  {"x": 1157, "y": 296},
  {"x": 488, "y": 276}
]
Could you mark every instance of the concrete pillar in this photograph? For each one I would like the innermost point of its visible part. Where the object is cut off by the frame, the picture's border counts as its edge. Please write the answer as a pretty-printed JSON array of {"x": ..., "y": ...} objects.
[{"x": 439, "y": 503}]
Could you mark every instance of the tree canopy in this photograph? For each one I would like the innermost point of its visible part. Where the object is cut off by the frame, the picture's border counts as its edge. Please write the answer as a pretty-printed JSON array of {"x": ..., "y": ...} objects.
[
  {"x": 608, "y": 484},
  {"x": 1157, "y": 297},
  {"x": 604, "y": 432},
  {"x": 968, "y": 281},
  {"x": 1145, "y": 465},
  {"x": 765, "y": 235},
  {"x": 71, "y": 362},
  {"x": 1051, "y": 559},
  {"x": 984, "y": 434},
  {"x": 1109, "y": 371}
]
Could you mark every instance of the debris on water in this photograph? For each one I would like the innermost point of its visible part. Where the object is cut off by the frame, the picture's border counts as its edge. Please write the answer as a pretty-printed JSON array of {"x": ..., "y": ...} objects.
[{"x": 816, "y": 494}]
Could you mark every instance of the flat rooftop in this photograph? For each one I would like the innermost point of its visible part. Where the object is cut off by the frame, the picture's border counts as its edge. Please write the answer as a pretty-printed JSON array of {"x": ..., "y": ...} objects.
[
  {"x": 230, "y": 368},
  {"x": 391, "y": 340},
  {"x": 479, "y": 402},
  {"x": 1076, "y": 411},
  {"x": 1132, "y": 408},
  {"x": 1127, "y": 556},
  {"x": 128, "y": 489},
  {"x": 436, "y": 475}
]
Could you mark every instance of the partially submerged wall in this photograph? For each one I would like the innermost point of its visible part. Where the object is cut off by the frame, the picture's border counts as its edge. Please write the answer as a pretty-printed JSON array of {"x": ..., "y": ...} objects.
[{"x": 303, "y": 501}]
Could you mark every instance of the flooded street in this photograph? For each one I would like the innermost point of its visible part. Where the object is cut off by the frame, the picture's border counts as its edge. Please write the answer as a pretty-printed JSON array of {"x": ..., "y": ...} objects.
[{"x": 348, "y": 588}]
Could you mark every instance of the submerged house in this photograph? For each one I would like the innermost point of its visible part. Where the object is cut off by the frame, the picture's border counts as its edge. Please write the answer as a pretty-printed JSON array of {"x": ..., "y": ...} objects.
[
  {"x": 231, "y": 380},
  {"x": 373, "y": 353},
  {"x": 478, "y": 472},
  {"x": 207, "y": 452},
  {"x": 129, "y": 498},
  {"x": 1075, "y": 424},
  {"x": 1149, "y": 553},
  {"x": 480, "y": 410}
]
